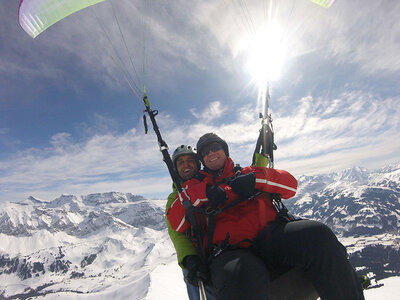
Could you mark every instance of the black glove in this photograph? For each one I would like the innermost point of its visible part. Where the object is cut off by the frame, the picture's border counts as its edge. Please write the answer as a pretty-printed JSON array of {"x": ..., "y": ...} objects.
[
  {"x": 244, "y": 184},
  {"x": 197, "y": 270},
  {"x": 216, "y": 195}
]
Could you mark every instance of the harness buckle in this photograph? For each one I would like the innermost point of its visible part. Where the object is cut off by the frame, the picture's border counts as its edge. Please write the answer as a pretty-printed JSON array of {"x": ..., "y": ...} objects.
[
  {"x": 217, "y": 250},
  {"x": 213, "y": 211}
]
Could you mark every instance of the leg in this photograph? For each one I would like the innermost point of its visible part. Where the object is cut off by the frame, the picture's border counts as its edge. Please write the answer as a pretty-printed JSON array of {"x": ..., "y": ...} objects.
[
  {"x": 239, "y": 274},
  {"x": 210, "y": 292},
  {"x": 313, "y": 246},
  {"x": 193, "y": 291}
]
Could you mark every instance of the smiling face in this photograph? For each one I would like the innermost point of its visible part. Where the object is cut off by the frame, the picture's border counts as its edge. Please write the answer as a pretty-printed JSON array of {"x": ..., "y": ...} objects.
[
  {"x": 186, "y": 166},
  {"x": 214, "y": 160}
]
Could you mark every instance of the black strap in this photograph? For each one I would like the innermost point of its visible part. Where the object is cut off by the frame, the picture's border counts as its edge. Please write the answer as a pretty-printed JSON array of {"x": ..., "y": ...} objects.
[
  {"x": 281, "y": 209},
  {"x": 217, "y": 250},
  {"x": 265, "y": 142},
  {"x": 161, "y": 143},
  {"x": 196, "y": 228},
  {"x": 212, "y": 212},
  {"x": 237, "y": 201},
  {"x": 211, "y": 219}
]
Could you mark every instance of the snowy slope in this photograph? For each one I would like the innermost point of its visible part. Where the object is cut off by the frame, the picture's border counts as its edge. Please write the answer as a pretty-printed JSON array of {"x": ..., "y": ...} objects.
[
  {"x": 102, "y": 243},
  {"x": 116, "y": 246},
  {"x": 363, "y": 208},
  {"x": 354, "y": 202},
  {"x": 389, "y": 290}
]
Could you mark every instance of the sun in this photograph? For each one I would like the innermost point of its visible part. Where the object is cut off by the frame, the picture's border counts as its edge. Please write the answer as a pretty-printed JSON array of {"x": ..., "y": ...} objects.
[{"x": 267, "y": 53}]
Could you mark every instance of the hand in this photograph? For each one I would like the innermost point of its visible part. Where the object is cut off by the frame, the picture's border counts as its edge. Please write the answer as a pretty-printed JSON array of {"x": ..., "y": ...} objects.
[
  {"x": 197, "y": 270},
  {"x": 216, "y": 195},
  {"x": 244, "y": 184}
]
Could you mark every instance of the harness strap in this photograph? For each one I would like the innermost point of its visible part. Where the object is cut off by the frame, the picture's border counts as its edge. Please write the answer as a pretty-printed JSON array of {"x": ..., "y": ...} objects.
[
  {"x": 196, "y": 232},
  {"x": 215, "y": 211},
  {"x": 238, "y": 200},
  {"x": 210, "y": 232},
  {"x": 217, "y": 250},
  {"x": 211, "y": 212},
  {"x": 211, "y": 220},
  {"x": 281, "y": 209}
]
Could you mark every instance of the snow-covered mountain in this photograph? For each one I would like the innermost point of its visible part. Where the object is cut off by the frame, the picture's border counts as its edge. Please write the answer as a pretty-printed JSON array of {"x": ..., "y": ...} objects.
[
  {"x": 353, "y": 202},
  {"x": 100, "y": 243},
  {"x": 363, "y": 208},
  {"x": 114, "y": 245}
]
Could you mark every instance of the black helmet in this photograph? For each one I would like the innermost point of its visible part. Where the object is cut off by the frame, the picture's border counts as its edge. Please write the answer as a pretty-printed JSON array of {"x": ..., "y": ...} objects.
[
  {"x": 185, "y": 150},
  {"x": 209, "y": 138}
]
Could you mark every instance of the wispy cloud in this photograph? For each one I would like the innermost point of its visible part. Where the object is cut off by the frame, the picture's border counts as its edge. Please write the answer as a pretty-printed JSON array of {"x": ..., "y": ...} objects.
[
  {"x": 100, "y": 158},
  {"x": 6, "y": 140},
  {"x": 212, "y": 112},
  {"x": 204, "y": 37},
  {"x": 349, "y": 123},
  {"x": 343, "y": 32},
  {"x": 351, "y": 40},
  {"x": 356, "y": 126},
  {"x": 320, "y": 136}
]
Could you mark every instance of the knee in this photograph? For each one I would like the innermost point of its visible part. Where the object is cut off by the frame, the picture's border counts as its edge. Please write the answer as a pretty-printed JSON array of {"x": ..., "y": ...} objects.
[
  {"x": 322, "y": 236},
  {"x": 322, "y": 232},
  {"x": 237, "y": 263},
  {"x": 236, "y": 271}
]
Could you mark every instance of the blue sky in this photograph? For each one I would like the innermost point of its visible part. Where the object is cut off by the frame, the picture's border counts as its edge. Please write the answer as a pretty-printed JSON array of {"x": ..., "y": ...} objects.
[{"x": 70, "y": 125}]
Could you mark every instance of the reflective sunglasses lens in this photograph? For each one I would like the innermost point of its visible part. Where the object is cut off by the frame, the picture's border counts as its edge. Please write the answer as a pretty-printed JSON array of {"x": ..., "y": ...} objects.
[{"x": 214, "y": 147}]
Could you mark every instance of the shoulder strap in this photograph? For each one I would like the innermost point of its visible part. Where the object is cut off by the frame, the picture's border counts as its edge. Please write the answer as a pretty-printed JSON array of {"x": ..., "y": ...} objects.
[
  {"x": 199, "y": 176},
  {"x": 237, "y": 168}
]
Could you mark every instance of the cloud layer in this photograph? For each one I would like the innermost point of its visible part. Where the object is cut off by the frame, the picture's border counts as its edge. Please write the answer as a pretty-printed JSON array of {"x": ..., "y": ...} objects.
[
  {"x": 336, "y": 106},
  {"x": 320, "y": 135}
]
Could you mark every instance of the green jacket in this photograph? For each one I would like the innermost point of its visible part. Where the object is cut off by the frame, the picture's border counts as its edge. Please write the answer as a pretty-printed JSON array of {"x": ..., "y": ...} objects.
[{"x": 183, "y": 245}]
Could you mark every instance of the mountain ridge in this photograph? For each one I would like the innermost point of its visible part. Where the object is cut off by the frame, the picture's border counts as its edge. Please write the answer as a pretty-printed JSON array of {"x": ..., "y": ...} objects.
[{"x": 102, "y": 242}]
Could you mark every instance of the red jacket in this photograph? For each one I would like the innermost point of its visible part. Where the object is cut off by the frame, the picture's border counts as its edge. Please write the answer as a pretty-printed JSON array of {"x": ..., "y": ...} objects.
[{"x": 244, "y": 220}]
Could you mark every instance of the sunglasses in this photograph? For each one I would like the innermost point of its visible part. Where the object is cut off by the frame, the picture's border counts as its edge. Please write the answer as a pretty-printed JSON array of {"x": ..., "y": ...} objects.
[{"x": 214, "y": 147}]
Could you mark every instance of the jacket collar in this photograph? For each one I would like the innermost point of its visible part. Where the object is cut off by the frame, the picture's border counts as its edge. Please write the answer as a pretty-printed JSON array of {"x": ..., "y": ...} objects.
[{"x": 226, "y": 171}]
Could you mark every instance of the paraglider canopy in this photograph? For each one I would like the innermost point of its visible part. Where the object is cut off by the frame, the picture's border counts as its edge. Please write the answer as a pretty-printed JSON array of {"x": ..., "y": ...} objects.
[
  {"x": 324, "y": 3},
  {"x": 35, "y": 16}
]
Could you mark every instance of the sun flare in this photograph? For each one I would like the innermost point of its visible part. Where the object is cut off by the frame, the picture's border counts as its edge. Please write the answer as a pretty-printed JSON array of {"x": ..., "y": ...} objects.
[{"x": 267, "y": 54}]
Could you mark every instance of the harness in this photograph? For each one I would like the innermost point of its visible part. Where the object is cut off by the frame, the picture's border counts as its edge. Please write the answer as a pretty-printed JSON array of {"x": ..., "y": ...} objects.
[{"x": 212, "y": 211}]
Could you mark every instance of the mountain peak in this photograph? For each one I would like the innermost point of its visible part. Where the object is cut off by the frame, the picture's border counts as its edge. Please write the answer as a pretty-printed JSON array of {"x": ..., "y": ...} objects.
[
  {"x": 34, "y": 200},
  {"x": 110, "y": 197},
  {"x": 117, "y": 238},
  {"x": 390, "y": 168},
  {"x": 354, "y": 174}
]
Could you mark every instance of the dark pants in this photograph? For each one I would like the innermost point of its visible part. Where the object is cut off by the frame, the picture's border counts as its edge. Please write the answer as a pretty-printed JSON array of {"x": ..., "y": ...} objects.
[
  {"x": 310, "y": 245},
  {"x": 193, "y": 291}
]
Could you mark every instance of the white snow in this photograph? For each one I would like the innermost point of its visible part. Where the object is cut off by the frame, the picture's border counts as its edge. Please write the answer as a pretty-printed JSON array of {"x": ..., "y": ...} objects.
[
  {"x": 389, "y": 290},
  {"x": 166, "y": 276},
  {"x": 167, "y": 283},
  {"x": 136, "y": 262}
]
